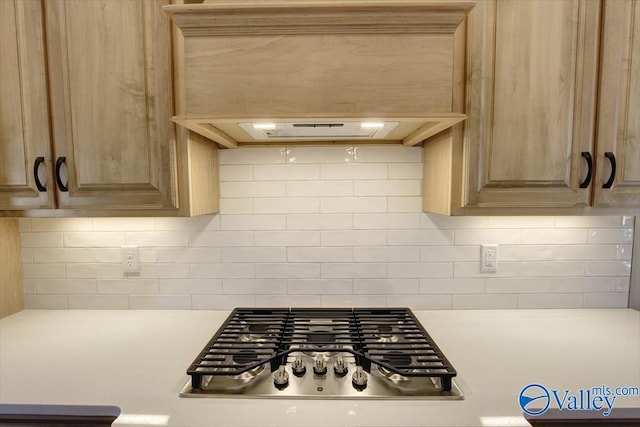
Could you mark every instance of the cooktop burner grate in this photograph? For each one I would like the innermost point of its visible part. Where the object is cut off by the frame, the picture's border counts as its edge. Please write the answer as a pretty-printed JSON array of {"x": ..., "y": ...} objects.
[{"x": 390, "y": 340}]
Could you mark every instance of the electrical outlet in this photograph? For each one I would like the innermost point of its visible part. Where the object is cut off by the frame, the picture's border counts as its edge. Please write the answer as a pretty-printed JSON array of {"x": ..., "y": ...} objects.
[
  {"x": 130, "y": 259},
  {"x": 489, "y": 258}
]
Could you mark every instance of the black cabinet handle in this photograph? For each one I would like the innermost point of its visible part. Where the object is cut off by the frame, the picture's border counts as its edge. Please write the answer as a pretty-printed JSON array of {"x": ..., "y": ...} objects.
[
  {"x": 36, "y": 166},
  {"x": 59, "y": 164},
  {"x": 589, "y": 159},
  {"x": 612, "y": 158}
]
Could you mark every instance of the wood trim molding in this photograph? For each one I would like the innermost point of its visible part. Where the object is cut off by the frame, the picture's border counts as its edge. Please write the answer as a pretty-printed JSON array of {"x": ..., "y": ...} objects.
[{"x": 319, "y": 17}]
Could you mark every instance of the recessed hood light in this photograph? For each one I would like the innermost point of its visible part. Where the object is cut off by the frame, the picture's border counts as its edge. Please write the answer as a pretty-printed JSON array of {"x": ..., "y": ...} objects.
[{"x": 316, "y": 130}]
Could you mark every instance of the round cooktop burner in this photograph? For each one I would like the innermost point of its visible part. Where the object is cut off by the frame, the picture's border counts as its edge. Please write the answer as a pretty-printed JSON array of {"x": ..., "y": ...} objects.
[
  {"x": 245, "y": 357},
  {"x": 396, "y": 358},
  {"x": 321, "y": 338},
  {"x": 258, "y": 327}
]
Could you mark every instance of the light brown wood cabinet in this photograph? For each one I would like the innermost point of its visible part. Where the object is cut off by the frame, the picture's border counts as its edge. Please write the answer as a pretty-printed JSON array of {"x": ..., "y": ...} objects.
[
  {"x": 24, "y": 111},
  {"x": 537, "y": 77},
  {"x": 111, "y": 147}
]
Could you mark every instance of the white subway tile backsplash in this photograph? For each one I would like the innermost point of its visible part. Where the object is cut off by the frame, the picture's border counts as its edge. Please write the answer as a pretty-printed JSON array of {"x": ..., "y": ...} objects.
[
  {"x": 353, "y": 300},
  {"x": 128, "y": 286},
  {"x": 286, "y": 205},
  {"x": 252, "y": 189},
  {"x": 405, "y": 171},
  {"x": 584, "y": 284},
  {"x": 252, "y": 156},
  {"x": 66, "y": 286},
  {"x": 518, "y": 285},
  {"x": 353, "y": 238},
  {"x": 484, "y": 301},
  {"x": 585, "y": 252},
  {"x": 221, "y": 302},
  {"x": 61, "y": 224},
  {"x": 326, "y": 226},
  {"x": 450, "y": 253},
  {"x": 221, "y": 238},
  {"x": 153, "y": 238},
  {"x": 160, "y": 302},
  {"x": 520, "y": 222},
  {"x": 345, "y": 270},
  {"x": 421, "y": 237},
  {"x": 223, "y": 271},
  {"x": 390, "y": 221},
  {"x": 286, "y": 172},
  {"x": 319, "y": 286},
  {"x": 43, "y": 301},
  {"x": 99, "y": 302},
  {"x": 504, "y": 236},
  {"x": 49, "y": 239},
  {"x": 188, "y": 255},
  {"x": 97, "y": 271},
  {"x": 421, "y": 302},
  {"x": 552, "y": 268},
  {"x": 236, "y": 173},
  {"x": 385, "y": 286},
  {"x": 254, "y": 254},
  {"x": 337, "y": 154},
  {"x": 420, "y": 269},
  {"x": 253, "y": 222},
  {"x": 387, "y": 154},
  {"x": 611, "y": 235},
  {"x": 287, "y": 238},
  {"x": 238, "y": 206},
  {"x": 404, "y": 204},
  {"x": 288, "y": 271},
  {"x": 606, "y": 300},
  {"x": 286, "y": 301},
  {"x": 397, "y": 187},
  {"x": 554, "y": 236},
  {"x": 93, "y": 239},
  {"x": 353, "y": 204},
  {"x": 319, "y": 221},
  {"x": 452, "y": 286},
  {"x": 118, "y": 224},
  {"x": 524, "y": 252},
  {"x": 62, "y": 255},
  {"x": 609, "y": 268},
  {"x": 197, "y": 223},
  {"x": 330, "y": 171},
  {"x": 254, "y": 287},
  {"x": 319, "y": 254},
  {"x": 43, "y": 271},
  {"x": 337, "y": 188},
  {"x": 386, "y": 254},
  {"x": 189, "y": 286}
]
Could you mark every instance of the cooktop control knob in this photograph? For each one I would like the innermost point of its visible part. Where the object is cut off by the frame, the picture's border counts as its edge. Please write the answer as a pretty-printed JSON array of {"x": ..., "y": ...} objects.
[
  {"x": 281, "y": 378},
  {"x": 340, "y": 368},
  {"x": 319, "y": 368},
  {"x": 359, "y": 379},
  {"x": 298, "y": 367}
]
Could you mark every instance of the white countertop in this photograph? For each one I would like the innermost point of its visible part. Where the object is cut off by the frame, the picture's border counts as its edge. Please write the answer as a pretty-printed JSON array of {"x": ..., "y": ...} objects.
[{"x": 137, "y": 360}]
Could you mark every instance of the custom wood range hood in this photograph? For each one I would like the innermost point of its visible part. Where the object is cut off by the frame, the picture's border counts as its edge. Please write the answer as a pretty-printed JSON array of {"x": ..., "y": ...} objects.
[{"x": 323, "y": 71}]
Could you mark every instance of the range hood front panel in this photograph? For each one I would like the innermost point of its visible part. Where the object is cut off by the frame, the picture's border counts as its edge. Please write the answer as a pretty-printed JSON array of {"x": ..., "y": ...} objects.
[
  {"x": 342, "y": 75},
  {"x": 301, "y": 60}
]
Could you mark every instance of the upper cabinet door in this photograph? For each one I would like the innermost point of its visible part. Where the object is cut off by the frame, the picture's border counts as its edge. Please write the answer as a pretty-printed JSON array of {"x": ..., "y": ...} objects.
[
  {"x": 531, "y": 92},
  {"x": 618, "y": 138},
  {"x": 24, "y": 111},
  {"x": 111, "y": 103}
]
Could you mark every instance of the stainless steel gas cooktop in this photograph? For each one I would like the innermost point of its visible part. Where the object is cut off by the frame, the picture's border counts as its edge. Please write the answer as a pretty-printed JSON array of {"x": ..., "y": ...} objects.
[{"x": 322, "y": 353}]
